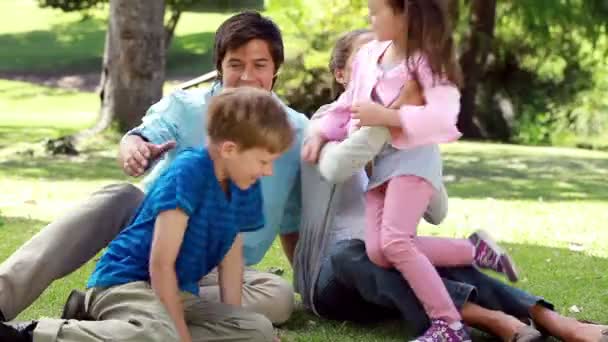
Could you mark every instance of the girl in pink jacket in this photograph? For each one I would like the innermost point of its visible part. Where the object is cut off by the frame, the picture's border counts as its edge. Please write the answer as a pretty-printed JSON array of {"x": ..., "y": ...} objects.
[{"x": 413, "y": 45}]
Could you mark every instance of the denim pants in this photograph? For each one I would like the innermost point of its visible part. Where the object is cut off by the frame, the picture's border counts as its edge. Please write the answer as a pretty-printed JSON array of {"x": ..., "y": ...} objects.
[{"x": 350, "y": 287}]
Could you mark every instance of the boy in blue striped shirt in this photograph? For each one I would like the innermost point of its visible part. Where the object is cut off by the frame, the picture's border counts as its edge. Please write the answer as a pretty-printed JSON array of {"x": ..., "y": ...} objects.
[{"x": 187, "y": 225}]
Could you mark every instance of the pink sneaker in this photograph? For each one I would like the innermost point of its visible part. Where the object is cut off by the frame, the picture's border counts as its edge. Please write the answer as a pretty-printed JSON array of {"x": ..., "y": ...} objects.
[
  {"x": 489, "y": 255},
  {"x": 441, "y": 331}
]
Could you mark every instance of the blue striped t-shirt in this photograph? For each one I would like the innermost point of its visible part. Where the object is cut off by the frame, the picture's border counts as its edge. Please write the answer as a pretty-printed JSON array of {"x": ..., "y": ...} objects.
[{"x": 214, "y": 221}]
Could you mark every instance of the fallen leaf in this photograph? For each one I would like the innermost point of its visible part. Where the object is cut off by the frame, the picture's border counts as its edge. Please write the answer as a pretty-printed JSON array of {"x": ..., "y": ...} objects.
[
  {"x": 276, "y": 270},
  {"x": 576, "y": 247},
  {"x": 449, "y": 178}
]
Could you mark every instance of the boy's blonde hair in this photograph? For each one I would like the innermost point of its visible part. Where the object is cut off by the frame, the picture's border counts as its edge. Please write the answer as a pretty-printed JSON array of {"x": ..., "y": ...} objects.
[{"x": 251, "y": 118}]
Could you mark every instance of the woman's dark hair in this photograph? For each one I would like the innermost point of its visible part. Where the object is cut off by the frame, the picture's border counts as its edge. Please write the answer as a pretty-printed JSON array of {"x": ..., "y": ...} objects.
[
  {"x": 340, "y": 54},
  {"x": 241, "y": 28},
  {"x": 429, "y": 32}
]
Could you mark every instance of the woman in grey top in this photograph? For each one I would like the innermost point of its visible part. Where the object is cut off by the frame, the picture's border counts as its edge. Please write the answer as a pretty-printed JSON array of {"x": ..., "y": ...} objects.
[{"x": 337, "y": 280}]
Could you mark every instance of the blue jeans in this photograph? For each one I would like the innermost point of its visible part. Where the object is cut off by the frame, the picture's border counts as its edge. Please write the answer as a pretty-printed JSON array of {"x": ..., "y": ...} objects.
[{"x": 350, "y": 287}]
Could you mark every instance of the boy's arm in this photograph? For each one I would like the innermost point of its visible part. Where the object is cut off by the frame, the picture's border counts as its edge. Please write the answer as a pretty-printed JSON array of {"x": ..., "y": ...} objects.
[
  {"x": 169, "y": 232},
  {"x": 231, "y": 274}
]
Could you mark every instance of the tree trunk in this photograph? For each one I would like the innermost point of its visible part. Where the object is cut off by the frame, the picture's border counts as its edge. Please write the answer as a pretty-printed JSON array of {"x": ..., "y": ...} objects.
[
  {"x": 134, "y": 61},
  {"x": 453, "y": 13},
  {"x": 176, "y": 13},
  {"x": 473, "y": 60},
  {"x": 104, "y": 116}
]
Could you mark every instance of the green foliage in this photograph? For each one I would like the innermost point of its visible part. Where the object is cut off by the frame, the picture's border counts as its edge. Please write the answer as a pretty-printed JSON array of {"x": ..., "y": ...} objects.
[
  {"x": 548, "y": 59},
  {"x": 71, "y": 5},
  {"x": 546, "y": 75},
  {"x": 312, "y": 28}
]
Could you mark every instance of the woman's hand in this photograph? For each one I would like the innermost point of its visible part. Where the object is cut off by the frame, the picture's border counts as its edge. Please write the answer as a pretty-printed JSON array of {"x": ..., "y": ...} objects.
[{"x": 312, "y": 147}]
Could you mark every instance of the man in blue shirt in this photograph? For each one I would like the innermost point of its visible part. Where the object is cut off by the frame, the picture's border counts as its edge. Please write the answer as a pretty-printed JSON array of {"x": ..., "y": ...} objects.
[
  {"x": 187, "y": 224},
  {"x": 248, "y": 52},
  {"x": 178, "y": 120}
]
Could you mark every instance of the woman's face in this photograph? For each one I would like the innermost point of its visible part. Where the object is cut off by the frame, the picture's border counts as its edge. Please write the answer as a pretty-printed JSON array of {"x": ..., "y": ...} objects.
[{"x": 343, "y": 75}]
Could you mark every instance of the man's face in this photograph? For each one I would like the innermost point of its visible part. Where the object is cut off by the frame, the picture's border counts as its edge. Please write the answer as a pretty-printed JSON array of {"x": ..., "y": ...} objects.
[{"x": 249, "y": 65}]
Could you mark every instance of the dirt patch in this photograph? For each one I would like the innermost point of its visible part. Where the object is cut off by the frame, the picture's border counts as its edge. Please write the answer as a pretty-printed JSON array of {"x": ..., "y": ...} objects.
[{"x": 82, "y": 82}]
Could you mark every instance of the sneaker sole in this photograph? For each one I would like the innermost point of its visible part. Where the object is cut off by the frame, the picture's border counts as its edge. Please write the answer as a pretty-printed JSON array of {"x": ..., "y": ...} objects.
[{"x": 505, "y": 260}]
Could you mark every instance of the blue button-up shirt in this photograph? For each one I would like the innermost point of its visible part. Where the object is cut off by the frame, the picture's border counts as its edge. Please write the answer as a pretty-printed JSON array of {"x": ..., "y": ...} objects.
[{"x": 181, "y": 117}]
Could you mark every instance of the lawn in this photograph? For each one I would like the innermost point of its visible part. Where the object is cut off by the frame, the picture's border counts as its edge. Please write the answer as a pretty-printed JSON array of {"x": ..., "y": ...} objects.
[
  {"x": 549, "y": 206},
  {"x": 53, "y": 42}
]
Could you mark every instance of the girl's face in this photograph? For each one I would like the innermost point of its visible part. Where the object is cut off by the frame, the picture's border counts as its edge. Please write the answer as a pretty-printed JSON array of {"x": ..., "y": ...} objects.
[
  {"x": 343, "y": 75},
  {"x": 386, "y": 23}
]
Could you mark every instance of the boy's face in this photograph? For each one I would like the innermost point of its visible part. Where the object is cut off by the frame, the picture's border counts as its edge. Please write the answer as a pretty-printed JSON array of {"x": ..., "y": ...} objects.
[
  {"x": 249, "y": 65},
  {"x": 244, "y": 168}
]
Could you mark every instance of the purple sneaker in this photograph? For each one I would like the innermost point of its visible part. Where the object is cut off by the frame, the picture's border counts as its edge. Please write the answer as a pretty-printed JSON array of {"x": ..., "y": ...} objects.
[
  {"x": 489, "y": 255},
  {"x": 441, "y": 331}
]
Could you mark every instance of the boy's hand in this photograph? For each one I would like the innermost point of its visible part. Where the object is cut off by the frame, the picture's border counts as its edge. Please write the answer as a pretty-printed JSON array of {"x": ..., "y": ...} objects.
[{"x": 312, "y": 147}]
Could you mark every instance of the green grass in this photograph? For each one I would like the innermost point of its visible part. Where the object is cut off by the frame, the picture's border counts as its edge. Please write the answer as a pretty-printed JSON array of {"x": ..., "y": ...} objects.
[
  {"x": 547, "y": 205},
  {"x": 51, "y": 41}
]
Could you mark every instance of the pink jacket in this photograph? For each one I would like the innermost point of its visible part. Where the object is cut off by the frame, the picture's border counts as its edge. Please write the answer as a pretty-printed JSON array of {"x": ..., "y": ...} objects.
[{"x": 432, "y": 123}]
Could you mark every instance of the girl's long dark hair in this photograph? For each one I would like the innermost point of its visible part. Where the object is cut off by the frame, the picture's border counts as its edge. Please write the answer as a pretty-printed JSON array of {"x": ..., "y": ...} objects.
[{"x": 429, "y": 32}]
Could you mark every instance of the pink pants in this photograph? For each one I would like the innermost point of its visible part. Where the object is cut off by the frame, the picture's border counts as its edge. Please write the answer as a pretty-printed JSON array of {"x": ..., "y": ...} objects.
[{"x": 393, "y": 212}]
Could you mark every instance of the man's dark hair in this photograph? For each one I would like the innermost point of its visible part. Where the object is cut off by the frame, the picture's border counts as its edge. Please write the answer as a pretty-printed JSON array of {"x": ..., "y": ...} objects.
[{"x": 239, "y": 29}]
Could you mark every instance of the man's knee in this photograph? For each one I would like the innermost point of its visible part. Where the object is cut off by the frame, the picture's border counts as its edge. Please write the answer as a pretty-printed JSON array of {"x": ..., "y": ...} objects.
[
  {"x": 272, "y": 296},
  {"x": 127, "y": 193},
  {"x": 284, "y": 304}
]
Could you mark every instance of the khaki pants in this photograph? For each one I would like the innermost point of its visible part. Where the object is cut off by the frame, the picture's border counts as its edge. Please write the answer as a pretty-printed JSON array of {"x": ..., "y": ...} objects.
[
  {"x": 133, "y": 313},
  {"x": 264, "y": 293},
  {"x": 73, "y": 239}
]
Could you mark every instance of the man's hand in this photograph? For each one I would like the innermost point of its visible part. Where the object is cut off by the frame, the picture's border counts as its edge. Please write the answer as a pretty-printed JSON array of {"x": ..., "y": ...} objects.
[{"x": 136, "y": 154}]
